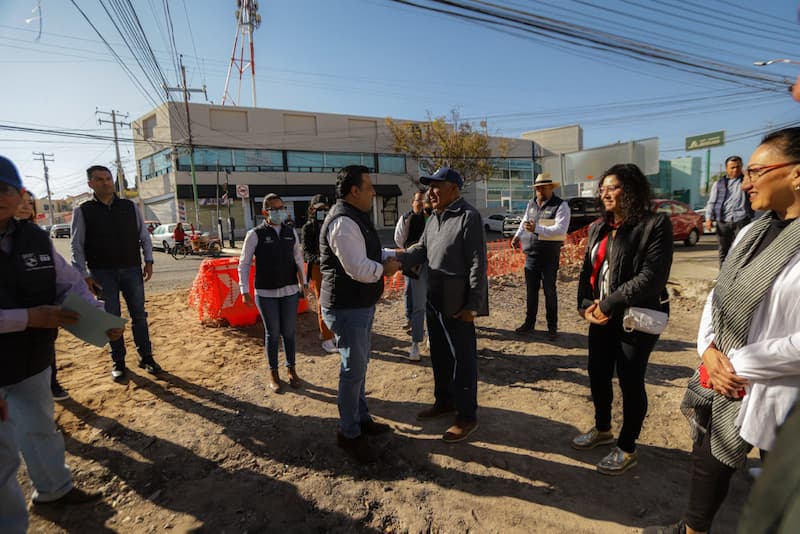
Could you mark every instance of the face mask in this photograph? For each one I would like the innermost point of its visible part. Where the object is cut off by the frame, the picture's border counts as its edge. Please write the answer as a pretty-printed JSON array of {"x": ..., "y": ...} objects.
[
  {"x": 321, "y": 215},
  {"x": 279, "y": 216}
]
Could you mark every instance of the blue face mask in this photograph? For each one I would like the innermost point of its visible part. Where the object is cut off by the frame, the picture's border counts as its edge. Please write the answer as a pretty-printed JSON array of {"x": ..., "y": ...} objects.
[
  {"x": 320, "y": 215},
  {"x": 279, "y": 216}
]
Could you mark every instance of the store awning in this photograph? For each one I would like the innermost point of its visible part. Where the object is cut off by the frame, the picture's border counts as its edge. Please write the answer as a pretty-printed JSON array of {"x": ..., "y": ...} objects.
[{"x": 284, "y": 190}]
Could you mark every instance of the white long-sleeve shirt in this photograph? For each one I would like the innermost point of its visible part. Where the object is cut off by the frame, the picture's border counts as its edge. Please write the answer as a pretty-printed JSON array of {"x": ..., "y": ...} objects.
[
  {"x": 401, "y": 231},
  {"x": 558, "y": 228},
  {"x": 246, "y": 260},
  {"x": 347, "y": 243},
  {"x": 771, "y": 359}
]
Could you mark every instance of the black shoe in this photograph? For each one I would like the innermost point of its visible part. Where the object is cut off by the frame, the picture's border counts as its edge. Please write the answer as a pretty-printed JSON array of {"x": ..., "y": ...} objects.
[
  {"x": 371, "y": 427},
  {"x": 119, "y": 372},
  {"x": 72, "y": 497},
  {"x": 524, "y": 328},
  {"x": 552, "y": 335},
  {"x": 357, "y": 448},
  {"x": 150, "y": 365},
  {"x": 677, "y": 528},
  {"x": 59, "y": 393}
]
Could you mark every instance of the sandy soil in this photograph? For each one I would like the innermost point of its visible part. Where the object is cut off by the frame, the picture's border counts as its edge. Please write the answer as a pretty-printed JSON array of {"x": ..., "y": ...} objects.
[{"x": 206, "y": 447}]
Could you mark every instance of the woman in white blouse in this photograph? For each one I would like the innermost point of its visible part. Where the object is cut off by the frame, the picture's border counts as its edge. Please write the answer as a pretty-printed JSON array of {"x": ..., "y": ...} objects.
[{"x": 749, "y": 337}]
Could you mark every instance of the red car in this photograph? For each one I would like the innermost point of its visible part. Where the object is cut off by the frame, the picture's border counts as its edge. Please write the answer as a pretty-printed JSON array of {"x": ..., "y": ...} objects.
[{"x": 687, "y": 224}]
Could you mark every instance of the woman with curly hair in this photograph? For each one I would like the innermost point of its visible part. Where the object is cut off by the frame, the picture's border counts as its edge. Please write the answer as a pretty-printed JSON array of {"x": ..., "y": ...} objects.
[{"x": 627, "y": 263}]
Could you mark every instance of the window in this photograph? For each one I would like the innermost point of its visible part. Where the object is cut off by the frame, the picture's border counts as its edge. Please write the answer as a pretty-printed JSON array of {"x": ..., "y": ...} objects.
[
  {"x": 342, "y": 159},
  {"x": 155, "y": 165},
  {"x": 149, "y": 127},
  {"x": 678, "y": 209},
  {"x": 305, "y": 161},
  {"x": 391, "y": 164},
  {"x": 664, "y": 208},
  {"x": 257, "y": 160},
  {"x": 389, "y": 211}
]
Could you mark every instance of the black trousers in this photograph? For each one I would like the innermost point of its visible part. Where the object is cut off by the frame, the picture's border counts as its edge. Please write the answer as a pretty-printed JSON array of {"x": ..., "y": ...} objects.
[
  {"x": 726, "y": 233},
  {"x": 610, "y": 348},
  {"x": 709, "y": 485},
  {"x": 454, "y": 357},
  {"x": 541, "y": 270}
]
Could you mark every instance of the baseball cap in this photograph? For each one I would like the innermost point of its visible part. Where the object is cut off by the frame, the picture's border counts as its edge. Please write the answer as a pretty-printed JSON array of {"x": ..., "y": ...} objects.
[
  {"x": 9, "y": 174},
  {"x": 444, "y": 174}
]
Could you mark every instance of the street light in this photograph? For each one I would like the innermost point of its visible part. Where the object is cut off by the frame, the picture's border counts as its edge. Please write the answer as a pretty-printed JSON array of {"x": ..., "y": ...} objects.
[{"x": 777, "y": 60}]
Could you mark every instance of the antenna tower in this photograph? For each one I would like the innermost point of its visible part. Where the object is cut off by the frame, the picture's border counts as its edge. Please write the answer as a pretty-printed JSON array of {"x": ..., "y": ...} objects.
[{"x": 247, "y": 20}]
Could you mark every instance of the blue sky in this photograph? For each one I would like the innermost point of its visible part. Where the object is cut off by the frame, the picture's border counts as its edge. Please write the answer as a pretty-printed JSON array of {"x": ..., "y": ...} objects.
[{"x": 376, "y": 57}]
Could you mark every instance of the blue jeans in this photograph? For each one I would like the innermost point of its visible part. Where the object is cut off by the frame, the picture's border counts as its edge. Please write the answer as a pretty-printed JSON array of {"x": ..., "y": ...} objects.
[
  {"x": 30, "y": 429},
  {"x": 353, "y": 330},
  {"x": 418, "y": 297},
  {"x": 280, "y": 321},
  {"x": 128, "y": 281}
]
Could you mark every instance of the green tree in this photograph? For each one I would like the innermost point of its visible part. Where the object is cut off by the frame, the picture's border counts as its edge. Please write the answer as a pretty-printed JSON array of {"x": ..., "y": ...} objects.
[{"x": 441, "y": 141}]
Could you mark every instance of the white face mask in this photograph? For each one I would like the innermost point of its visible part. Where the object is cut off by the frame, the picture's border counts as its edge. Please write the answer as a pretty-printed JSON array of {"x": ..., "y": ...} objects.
[
  {"x": 320, "y": 215},
  {"x": 279, "y": 216}
]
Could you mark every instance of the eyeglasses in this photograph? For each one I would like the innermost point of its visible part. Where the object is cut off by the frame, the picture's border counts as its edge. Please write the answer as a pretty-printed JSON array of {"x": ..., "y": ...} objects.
[
  {"x": 608, "y": 189},
  {"x": 758, "y": 172}
]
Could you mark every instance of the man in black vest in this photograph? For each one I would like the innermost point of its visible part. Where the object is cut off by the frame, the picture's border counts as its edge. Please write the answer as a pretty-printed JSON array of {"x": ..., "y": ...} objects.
[
  {"x": 107, "y": 233},
  {"x": 406, "y": 234},
  {"x": 353, "y": 267},
  {"x": 454, "y": 246},
  {"x": 34, "y": 280},
  {"x": 541, "y": 233}
]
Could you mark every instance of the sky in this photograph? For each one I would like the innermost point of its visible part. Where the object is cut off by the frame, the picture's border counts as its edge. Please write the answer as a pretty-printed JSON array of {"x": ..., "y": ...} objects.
[{"x": 381, "y": 58}]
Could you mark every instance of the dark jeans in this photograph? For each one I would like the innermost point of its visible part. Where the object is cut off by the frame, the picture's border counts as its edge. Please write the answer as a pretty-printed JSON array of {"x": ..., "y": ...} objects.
[
  {"x": 454, "y": 356},
  {"x": 709, "y": 486},
  {"x": 726, "y": 233},
  {"x": 541, "y": 269},
  {"x": 611, "y": 347},
  {"x": 130, "y": 283},
  {"x": 280, "y": 321}
]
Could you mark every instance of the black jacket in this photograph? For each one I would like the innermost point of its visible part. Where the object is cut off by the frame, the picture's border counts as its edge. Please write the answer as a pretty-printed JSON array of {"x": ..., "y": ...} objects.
[
  {"x": 639, "y": 269},
  {"x": 309, "y": 239}
]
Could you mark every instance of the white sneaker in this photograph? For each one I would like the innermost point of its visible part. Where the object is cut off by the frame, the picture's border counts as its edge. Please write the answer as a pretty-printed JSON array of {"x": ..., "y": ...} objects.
[
  {"x": 329, "y": 346},
  {"x": 413, "y": 354}
]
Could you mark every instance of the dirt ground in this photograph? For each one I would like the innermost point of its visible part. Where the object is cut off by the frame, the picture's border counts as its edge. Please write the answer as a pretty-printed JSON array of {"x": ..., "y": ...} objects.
[{"x": 206, "y": 447}]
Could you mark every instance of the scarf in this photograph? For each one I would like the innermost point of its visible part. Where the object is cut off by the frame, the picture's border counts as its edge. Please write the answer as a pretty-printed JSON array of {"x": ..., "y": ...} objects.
[{"x": 743, "y": 282}]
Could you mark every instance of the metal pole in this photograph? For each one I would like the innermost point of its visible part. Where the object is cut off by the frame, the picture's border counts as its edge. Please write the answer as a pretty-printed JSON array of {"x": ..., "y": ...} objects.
[
  {"x": 708, "y": 172},
  {"x": 191, "y": 148},
  {"x": 120, "y": 177},
  {"x": 219, "y": 222},
  {"x": 230, "y": 219}
]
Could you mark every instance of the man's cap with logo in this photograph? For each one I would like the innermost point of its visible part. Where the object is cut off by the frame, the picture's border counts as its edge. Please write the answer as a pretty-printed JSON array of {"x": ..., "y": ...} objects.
[
  {"x": 9, "y": 174},
  {"x": 444, "y": 174}
]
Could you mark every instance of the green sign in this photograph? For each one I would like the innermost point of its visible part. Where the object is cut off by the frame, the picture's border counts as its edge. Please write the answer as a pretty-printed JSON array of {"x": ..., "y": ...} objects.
[{"x": 708, "y": 140}]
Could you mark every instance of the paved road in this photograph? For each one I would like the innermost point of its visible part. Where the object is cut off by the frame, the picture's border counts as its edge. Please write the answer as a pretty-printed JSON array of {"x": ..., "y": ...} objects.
[
  {"x": 696, "y": 263},
  {"x": 168, "y": 273}
]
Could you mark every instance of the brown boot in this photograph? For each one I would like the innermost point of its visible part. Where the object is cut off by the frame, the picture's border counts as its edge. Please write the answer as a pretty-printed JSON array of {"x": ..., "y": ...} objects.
[
  {"x": 294, "y": 380},
  {"x": 274, "y": 381}
]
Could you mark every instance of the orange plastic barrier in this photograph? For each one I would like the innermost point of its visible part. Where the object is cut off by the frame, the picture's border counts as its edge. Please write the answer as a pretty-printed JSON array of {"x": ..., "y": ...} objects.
[{"x": 215, "y": 293}]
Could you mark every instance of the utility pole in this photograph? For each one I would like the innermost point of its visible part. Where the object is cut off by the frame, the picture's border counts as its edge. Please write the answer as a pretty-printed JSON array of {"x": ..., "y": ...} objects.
[
  {"x": 45, "y": 158},
  {"x": 115, "y": 123},
  {"x": 186, "y": 95}
]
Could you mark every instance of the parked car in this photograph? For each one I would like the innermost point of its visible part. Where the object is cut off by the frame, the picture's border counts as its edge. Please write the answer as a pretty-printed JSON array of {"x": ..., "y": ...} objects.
[
  {"x": 60, "y": 230},
  {"x": 687, "y": 224},
  {"x": 506, "y": 224},
  {"x": 583, "y": 211},
  {"x": 162, "y": 236}
]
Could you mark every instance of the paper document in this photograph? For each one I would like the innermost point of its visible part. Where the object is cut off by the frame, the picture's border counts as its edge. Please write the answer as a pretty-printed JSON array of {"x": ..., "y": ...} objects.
[
  {"x": 94, "y": 322},
  {"x": 550, "y": 222}
]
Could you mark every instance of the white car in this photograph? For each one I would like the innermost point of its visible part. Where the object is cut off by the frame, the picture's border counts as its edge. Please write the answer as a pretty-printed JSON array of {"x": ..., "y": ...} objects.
[
  {"x": 506, "y": 224},
  {"x": 162, "y": 236}
]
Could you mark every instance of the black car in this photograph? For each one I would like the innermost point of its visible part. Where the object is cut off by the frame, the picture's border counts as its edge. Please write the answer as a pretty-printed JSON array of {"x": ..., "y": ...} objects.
[{"x": 584, "y": 211}]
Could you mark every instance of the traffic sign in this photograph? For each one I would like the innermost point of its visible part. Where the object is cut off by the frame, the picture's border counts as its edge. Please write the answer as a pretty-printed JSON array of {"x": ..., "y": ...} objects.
[
  {"x": 243, "y": 191},
  {"x": 707, "y": 140}
]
